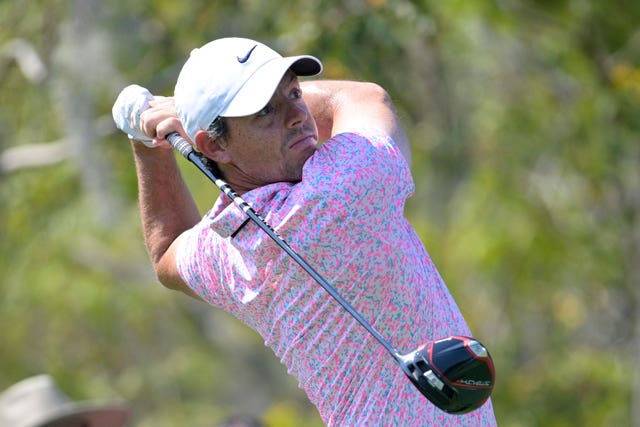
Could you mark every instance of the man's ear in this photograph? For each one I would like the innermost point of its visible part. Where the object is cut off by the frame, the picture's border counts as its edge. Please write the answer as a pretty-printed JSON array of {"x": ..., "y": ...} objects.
[{"x": 211, "y": 148}]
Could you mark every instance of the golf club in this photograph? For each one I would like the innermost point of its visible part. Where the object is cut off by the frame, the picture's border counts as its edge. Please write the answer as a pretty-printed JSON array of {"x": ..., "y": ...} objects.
[{"x": 455, "y": 373}]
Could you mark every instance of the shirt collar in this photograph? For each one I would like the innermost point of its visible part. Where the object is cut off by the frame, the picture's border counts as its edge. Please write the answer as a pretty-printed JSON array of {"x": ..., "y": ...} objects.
[{"x": 226, "y": 217}]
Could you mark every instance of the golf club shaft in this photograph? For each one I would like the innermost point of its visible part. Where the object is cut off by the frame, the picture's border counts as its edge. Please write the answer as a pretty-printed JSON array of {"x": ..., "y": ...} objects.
[{"x": 184, "y": 148}]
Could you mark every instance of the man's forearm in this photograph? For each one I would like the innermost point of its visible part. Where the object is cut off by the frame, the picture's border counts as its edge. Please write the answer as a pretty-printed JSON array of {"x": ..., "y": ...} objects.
[
  {"x": 166, "y": 206},
  {"x": 339, "y": 106}
]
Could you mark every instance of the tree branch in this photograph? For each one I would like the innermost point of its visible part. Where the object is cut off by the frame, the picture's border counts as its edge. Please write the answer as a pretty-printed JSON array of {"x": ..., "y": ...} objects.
[{"x": 34, "y": 155}]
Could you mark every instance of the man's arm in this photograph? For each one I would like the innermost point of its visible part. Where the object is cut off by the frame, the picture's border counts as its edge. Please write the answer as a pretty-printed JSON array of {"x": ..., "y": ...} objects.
[
  {"x": 167, "y": 209},
  {"x": 342, "y": 106}
]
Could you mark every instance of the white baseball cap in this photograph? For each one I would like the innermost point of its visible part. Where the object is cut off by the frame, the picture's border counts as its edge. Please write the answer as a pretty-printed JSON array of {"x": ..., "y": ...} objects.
[{"x": 232, "y": 77}]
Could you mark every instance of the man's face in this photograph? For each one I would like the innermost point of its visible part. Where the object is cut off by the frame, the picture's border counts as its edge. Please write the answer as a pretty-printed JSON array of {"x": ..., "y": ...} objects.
[{"x": 273, "y": 144}]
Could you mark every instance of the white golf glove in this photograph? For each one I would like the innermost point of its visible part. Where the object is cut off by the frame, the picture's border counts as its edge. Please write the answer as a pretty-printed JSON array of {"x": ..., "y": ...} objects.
[{"x": 131, "y": 102}]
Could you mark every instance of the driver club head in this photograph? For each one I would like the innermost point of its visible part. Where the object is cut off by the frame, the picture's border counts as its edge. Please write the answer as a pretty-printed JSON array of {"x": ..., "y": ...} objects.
[{"x": 456, "y": 373}]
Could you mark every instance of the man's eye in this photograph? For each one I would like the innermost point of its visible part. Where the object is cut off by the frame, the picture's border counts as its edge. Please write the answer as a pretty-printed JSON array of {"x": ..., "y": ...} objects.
[{"x": 296, "y": 94}]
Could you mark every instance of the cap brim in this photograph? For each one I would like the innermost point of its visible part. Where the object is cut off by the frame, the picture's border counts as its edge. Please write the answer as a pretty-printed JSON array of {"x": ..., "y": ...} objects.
[
  {"x": 98, "y": 415},
  {"x": 259, "y": 89}
]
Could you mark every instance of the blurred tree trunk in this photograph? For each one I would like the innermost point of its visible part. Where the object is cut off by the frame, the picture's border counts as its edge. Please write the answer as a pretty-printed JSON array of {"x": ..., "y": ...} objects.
[
  {"x": 633, "y": 263},
  {"x": 80, "y": 60}
]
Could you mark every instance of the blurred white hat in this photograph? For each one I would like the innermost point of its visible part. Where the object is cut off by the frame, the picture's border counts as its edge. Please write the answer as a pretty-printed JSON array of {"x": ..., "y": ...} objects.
[{"x": 37, "y": 402}]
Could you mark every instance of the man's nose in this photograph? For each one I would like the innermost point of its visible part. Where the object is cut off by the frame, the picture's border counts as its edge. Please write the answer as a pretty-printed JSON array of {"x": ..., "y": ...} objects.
[{"x": 297, "y": 113}]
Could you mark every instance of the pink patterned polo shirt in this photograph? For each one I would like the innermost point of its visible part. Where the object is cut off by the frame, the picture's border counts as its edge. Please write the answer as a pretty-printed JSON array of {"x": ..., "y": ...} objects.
[{"x": 346, "y": 218}]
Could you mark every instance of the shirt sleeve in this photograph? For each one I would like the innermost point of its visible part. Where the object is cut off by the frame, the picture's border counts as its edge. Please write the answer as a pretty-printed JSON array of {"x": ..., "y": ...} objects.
[{"x": 197, "y": 260}]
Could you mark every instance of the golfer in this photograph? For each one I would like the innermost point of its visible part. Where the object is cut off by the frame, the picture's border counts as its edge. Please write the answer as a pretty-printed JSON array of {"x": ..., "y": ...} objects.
[{"x": 327, "y": 164}]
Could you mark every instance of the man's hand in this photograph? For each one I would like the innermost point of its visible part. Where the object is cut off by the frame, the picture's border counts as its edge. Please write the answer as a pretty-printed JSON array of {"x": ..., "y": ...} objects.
[
  {"x": 126, "y": 111},
  {"x": 146, "y": 118},
  {"x": 160, "y": 120}
]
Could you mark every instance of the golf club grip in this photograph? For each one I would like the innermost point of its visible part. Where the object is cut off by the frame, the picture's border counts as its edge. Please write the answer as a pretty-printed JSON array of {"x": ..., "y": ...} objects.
[
  {"x": 184, "y": 148},
  {"x": 180, "y": 144}
]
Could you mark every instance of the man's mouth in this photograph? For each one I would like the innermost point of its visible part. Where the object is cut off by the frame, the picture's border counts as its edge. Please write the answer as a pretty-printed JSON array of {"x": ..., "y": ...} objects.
[{"x": 306, "y": 139}]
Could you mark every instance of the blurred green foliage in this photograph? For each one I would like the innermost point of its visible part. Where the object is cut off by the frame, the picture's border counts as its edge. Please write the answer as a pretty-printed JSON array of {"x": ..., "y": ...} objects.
[{"x": 524, "y": 119}]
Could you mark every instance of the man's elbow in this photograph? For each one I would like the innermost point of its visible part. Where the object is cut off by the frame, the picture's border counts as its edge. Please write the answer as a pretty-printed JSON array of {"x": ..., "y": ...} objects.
[
  {"x": 167, "y": 274},
  {"x": 167, "y": 280},
  {"x": 175, "y": 283}
]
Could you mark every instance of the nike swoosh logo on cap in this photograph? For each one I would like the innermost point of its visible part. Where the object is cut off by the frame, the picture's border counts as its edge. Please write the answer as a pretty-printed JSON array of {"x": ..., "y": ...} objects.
[{"x": 246, "y": 57}]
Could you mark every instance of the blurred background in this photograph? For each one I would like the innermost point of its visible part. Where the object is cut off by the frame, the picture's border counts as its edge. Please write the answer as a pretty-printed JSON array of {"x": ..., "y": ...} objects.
[{"x": 524, "y": 117}]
